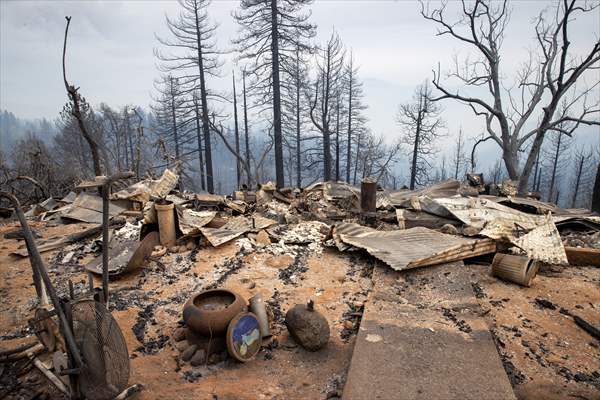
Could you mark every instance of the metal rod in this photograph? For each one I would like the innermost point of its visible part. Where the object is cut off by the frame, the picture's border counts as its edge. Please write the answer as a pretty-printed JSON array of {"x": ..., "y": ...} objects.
[{"x": 36, "y": 262}]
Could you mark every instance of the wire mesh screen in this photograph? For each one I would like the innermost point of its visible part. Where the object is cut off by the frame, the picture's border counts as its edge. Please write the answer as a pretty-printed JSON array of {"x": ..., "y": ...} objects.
[{"x": 105, "y": 372}]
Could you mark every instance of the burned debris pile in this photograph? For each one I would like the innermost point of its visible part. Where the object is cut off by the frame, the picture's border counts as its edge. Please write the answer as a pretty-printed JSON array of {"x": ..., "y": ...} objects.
[{"x": 145, "y": 240}]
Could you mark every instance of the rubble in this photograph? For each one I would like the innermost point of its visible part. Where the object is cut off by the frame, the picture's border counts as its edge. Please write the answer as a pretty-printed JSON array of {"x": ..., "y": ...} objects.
[{"x": 267, "y": 244}]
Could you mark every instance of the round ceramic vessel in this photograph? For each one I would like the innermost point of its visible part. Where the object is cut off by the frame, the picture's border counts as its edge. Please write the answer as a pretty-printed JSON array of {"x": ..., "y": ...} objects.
[{"x": 210, "y": 312}]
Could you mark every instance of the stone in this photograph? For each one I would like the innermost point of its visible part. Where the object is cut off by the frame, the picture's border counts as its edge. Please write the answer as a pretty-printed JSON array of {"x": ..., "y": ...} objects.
[
  {"x": 199, "y": 358},
  {"x": 190, "y": 245},
  {"x": 348, "y": 324},
  {"x": 179, "y": 334},
  {"x": 449, "y": 229},
  {"x": 182, "y": 345},
  {"x": 308, "y": 327},
  {"x": 187, "y": 354},
  {"x": 262, "y": 238}
]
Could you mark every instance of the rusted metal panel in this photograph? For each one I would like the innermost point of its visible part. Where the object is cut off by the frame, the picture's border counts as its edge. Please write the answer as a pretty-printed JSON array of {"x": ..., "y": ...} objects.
[
  {"x": 583, "y": 256},
  {"x": 417, "y": 247}
]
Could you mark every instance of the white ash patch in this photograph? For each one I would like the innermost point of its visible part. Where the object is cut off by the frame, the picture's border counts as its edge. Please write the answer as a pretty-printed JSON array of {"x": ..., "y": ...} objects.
[{"x": 129, "y": 231}]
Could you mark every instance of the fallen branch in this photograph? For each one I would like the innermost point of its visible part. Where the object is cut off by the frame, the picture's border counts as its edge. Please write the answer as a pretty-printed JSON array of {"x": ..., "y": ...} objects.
[{"x": 586, "y": 326}]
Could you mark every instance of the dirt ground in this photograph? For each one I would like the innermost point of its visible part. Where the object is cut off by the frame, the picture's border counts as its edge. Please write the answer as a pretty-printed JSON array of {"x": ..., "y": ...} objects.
[{"x": 546, "y": 354}]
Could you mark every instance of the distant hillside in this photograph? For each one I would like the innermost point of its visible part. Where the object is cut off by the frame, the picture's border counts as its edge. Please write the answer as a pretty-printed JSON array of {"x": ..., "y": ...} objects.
[{"x": 13, "y": 128}]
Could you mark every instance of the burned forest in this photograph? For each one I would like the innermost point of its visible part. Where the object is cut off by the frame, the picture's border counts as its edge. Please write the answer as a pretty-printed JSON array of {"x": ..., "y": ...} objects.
[{"x": 300, "y": 199}]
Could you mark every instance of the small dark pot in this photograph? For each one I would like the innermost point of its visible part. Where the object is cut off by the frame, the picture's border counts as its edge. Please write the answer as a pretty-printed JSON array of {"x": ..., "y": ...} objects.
[{"x": 209, "y": 312}]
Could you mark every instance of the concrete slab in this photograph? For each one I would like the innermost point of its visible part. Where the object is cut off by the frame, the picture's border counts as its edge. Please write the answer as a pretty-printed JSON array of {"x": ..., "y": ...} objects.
[{"x": 422, "y": 337}]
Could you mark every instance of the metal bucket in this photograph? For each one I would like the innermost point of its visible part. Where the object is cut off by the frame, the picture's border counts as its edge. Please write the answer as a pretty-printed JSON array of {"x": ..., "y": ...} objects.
[{"x": 517, "y": 269}]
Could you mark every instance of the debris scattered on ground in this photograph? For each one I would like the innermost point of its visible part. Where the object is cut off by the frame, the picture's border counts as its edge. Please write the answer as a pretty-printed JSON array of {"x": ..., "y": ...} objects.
[{"x": 268, "y": 242}]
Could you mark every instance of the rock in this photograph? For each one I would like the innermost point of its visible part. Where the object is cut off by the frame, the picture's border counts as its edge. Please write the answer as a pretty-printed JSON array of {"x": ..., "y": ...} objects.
[
  {"x": 198, "y": 358},
  {"x": 470, "y": 230},
  {"x": 217, "y": 357},
  {"x": 263, "y": 239},
  {"x": 187, "y": 354},
  {"x": 190, "y": 245},
  {"x": 449, "y": 229},
  {"x": 179, "y": 334},
  {"x": 174, "y": 249},
  {"x": 348, "y": 324},
  {"x": 307, "y": 326},
  {"x": 182, "y": 345}
]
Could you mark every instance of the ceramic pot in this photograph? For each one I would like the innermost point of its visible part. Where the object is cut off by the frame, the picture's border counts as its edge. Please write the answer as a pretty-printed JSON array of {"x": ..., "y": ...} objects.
[{"x": 209, "y": 312}]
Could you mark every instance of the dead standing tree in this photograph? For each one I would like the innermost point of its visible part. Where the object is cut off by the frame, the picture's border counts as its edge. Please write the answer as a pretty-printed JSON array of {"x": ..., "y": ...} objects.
[
  {"x": 194, "y": 33},
  {"x": 544, "y": 81},
  {"x": 271, "y": 31},
  {"x": 327, "y": 86},
  {"x": 356, "y": 119},
  {"x": 74, "y": 107},
  {"x": 420, "y": 121}
]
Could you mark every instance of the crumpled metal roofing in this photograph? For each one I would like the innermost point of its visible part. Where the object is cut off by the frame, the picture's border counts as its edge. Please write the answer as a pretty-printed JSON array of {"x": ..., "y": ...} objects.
[
  {"x": 235, "y": 227},
  {"x": 535, "y": 234},
  {"x": 415, "y": 247}
]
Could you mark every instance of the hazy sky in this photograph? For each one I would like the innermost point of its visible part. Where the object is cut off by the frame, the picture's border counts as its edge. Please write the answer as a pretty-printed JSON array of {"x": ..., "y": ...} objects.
[{"x": 110, "y": 52}]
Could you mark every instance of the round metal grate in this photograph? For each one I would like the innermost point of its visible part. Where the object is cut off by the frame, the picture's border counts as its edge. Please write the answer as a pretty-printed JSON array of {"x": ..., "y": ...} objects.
[{"x": 105, "y": 372}]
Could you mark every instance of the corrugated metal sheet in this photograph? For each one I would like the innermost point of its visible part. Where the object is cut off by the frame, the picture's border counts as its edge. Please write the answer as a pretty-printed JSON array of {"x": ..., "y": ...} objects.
[
  {"x": 445, "y": 188},
  {"x": 535, "y": 234},
  {"x": 235, "y": 227},
  {"x": 416, "y": 247},
  {"x": 191, "y": 221},
  {"x": 350, "y": 229}
]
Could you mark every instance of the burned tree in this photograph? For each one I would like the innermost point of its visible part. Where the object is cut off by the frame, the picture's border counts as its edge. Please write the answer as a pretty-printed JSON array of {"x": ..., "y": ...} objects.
[
  {"x": 327, "y": 87},
  {"x": 556, "y": 162},
  {"x": 355, "y": 108},
  {"x": 420, "y": 123},
  {"x": 271, "y": 31},
  {"x": 458, "y": 158},
  {"x": 546, "y": 79},
  {"x": 295, "y": 114},
  {"x": 193, "y": 33},
  {"x": 582, "y": 166},
  {"x": 169, "y": 109},
  {"x": 237, "y": 134},
  {"x": 76, "y": 104}
]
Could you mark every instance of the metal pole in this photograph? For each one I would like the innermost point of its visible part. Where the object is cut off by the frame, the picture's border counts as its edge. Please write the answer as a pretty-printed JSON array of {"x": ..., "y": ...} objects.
[
  {"x": 105, "y": 216},
  {"x": 36, "y": 262}
]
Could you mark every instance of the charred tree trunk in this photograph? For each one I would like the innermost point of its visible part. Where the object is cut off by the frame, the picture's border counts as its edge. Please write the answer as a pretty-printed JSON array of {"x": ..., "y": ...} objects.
[
  {"x": 413, "y": 168},
  {"x": 577, "y": 181},
  {"x": 554, "y": 165},
  {"x": 279, "y": 177},
  {"x": 76, "y": 109},
  {"x": 337, "y": 142},
  {"x": 205, "y": 124},
  {"x": 298, "y": 141},
  {"x": 199, "y": 137},
  {"x": 246, "y": 136},
  {"x": 237, "y": 135},
  {"x": 596, "y": 194},
  {"x": 349, "y": 134}
]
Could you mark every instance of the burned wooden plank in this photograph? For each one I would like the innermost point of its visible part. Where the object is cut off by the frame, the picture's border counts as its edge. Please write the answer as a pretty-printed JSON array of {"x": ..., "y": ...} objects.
[{"x": 583, "y": 256}]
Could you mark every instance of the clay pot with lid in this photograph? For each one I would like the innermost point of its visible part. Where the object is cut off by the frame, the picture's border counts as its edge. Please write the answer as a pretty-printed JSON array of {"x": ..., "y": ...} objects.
[{"x": 210, "y": 312}]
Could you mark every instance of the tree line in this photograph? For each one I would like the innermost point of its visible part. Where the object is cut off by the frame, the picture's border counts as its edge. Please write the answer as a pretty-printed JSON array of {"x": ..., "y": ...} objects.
[{"x": 295, "y": 112}]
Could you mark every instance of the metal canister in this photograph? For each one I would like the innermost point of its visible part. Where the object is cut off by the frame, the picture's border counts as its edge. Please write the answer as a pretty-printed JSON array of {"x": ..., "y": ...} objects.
[
  {"x": 257, "y": 307},
  {"x": 513, "y": 268}
]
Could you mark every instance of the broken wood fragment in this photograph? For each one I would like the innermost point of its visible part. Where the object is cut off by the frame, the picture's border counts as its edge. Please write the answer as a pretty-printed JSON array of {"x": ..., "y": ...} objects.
[{"x": 583, "y": 256}]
